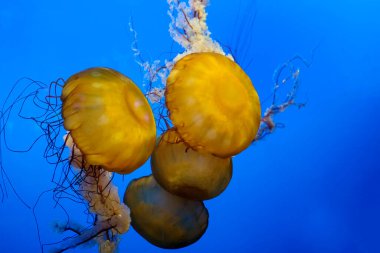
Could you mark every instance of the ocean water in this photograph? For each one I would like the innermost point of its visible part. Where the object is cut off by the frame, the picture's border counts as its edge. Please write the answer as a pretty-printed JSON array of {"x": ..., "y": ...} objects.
[{"x": 311, "y": 186}]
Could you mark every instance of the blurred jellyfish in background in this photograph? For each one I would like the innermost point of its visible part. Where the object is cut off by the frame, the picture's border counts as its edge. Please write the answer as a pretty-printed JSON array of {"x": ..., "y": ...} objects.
[
  {"x": 164, "y": 219},
  {"x": 205, "y": 109}
]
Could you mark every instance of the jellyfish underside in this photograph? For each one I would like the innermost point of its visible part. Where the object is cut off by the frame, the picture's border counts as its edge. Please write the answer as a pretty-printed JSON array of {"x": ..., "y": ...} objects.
[{"x": 109, "y": 119}]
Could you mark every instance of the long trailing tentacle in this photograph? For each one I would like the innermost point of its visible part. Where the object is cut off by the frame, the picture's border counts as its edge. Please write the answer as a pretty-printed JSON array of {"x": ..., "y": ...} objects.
[{"x": 287, "y": 74}]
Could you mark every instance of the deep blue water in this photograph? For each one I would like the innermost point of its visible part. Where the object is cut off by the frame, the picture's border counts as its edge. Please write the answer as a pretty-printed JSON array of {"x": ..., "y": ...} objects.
[{"x": 312, "y": 186}]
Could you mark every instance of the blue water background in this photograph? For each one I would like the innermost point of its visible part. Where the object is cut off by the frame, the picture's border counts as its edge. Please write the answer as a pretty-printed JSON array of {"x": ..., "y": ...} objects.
[{"x": 312, "y": 186}]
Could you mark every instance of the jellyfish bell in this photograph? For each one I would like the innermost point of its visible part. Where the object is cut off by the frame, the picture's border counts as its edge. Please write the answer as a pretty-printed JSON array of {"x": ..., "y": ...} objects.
[
  {"x": 213, "y": 104},
  {"x": 165, "y": 220},
  {"x": 75, "y": 157},
  {"x": 109, "y": 119},
  {"x": 188, "y": 173}
]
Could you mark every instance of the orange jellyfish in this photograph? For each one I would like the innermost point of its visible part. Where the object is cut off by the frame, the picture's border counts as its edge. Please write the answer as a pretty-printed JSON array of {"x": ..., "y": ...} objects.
[
  {"x": 109, "y": 119},
  {"x": 165, "y": 220},
  {"x": 213, "y": 104},
  {"x": 188, "y": 173}
]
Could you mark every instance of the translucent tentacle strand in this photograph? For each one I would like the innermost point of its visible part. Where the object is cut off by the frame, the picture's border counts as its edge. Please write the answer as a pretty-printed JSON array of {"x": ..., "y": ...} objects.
[{"x": 112, "y": 216}]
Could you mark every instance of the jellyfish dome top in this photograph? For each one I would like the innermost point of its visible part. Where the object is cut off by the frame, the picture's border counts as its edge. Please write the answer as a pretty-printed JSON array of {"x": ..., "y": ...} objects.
[
  {"x": 109, "y": 119},
  {"x": 213, "y": 104}
]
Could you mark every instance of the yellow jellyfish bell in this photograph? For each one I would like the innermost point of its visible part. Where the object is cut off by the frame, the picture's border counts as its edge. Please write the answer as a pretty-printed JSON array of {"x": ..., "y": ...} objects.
[
  {"x": 109, "y": 119},
  {"x": 213, "y": 104}
]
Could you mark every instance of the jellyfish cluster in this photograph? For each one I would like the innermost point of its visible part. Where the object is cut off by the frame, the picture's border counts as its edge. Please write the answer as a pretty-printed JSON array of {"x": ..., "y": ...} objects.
[{"x": 215, "y": 114}]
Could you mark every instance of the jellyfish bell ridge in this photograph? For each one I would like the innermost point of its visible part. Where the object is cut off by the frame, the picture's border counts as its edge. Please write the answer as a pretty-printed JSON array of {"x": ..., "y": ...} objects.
[
  {"x": 109, "y": 119},
  {"x": 213, "y": 104}
]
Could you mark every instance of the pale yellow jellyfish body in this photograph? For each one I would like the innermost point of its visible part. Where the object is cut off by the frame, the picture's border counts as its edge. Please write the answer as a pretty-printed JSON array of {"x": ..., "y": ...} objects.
[
  {"x": 109, "y": 119},
  {"x": 213, "y": 104}
]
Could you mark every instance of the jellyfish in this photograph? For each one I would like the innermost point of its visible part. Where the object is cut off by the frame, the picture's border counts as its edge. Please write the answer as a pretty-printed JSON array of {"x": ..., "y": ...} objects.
[
  {"x": 111, "y": 129},
  {"x": 188, "y": 173},
  {"x": 109, "y": 119},
  {"x": 165, "y": 220},
  {"x": 213, "y": 104}
]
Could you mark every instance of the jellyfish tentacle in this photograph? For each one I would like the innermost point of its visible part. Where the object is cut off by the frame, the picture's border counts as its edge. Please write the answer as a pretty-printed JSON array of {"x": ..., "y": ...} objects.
[
  {"x": 112, "y": 216},
  {"x": 82, "y": 237},
  {"x": 288, "y": 73}
]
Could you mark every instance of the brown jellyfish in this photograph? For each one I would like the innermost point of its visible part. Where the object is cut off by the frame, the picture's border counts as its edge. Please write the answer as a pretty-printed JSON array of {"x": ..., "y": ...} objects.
[
  {"x": 165, "y": 220},
  {"x": 188, "y": 173}
]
